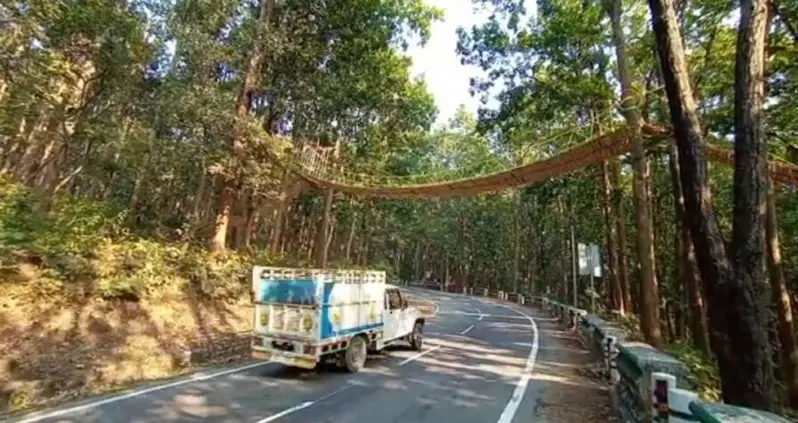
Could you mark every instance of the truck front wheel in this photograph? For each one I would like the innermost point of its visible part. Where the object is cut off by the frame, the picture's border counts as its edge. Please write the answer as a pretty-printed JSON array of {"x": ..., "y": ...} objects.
[
  {"x": 417, "y": 337},
  {"x": 355, "y": 354}
]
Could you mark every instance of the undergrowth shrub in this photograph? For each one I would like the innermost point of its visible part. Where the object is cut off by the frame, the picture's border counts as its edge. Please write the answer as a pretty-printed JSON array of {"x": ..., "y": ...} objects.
[
  {"x": 223, "y": 276},
  {"x": 70, "y": 226},
  {"x": 133, "y": 268},
  {"x": 703, "y": 373},
  {"x": 81, "y": 248}
]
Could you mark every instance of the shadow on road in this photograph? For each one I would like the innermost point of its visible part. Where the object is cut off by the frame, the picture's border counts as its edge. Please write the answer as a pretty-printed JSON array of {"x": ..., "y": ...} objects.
[{"x": 465, "y": 379}]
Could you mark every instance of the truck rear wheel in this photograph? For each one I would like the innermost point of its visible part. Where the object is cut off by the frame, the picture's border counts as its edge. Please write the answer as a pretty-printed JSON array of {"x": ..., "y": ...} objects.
[
  {"x": 355, "y": 354},
  {"x": 417, "y": 337}
]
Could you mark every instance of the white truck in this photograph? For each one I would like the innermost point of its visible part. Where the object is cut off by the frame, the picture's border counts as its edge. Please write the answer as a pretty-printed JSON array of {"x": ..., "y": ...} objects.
[{"x": 303, "y": 317}]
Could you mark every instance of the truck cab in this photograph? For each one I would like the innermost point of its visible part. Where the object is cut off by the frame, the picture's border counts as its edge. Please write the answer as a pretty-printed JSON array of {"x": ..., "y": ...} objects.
[{"x": 400, "y": 320}]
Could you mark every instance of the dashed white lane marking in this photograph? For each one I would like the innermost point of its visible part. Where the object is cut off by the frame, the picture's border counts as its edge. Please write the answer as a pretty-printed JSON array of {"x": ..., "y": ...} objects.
[
  {"x": 194, "y": 378},
  {"x": 425, "y": 352},
  {"x": 304, "y": 405},
  {"x": 466, "y": 330},
  {"x": 480, "y": 314},
  {"x": 520, "y": 389}
]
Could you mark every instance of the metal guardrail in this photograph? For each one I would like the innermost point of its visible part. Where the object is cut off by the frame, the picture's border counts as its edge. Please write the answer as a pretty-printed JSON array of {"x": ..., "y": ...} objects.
[{"x": 648, "y": 384}]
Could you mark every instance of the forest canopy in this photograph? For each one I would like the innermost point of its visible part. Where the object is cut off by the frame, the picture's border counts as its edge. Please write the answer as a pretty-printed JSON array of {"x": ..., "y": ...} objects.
[{"x": 143, "y": 138}]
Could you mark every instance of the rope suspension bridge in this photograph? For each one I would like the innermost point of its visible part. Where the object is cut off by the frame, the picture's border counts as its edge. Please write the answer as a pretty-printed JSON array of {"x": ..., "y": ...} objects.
[{"x": 318, "y": 167}]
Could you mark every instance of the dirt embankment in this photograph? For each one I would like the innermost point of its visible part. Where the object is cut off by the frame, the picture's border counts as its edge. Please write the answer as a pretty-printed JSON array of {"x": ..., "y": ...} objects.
[{"x": 55, "y": 347}]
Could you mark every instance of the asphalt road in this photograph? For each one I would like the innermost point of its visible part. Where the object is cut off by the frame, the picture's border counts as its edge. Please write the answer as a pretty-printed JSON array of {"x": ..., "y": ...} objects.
[{"x": 475, "y": 366}]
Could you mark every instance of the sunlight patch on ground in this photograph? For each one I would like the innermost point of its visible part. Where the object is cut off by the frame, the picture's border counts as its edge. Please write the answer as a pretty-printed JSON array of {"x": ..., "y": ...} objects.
[
  {"x": 467, "y": 346},
  {"x": 196, "y": 406}
]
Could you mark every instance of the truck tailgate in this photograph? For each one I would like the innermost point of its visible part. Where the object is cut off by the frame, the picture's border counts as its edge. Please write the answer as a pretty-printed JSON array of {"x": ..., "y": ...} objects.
[{"x": 287, "y": 320}]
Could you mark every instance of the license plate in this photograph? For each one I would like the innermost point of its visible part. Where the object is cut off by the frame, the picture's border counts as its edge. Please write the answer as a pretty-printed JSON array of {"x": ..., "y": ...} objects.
[
  {"x": 283, "y": 346},
  {"x": 305, "y": 363},
  {"x": 261, "y": 355}
]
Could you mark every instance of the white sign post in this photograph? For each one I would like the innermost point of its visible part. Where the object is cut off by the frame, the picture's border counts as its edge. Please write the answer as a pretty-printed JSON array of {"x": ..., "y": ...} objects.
[{"x": 590, "y": 265}]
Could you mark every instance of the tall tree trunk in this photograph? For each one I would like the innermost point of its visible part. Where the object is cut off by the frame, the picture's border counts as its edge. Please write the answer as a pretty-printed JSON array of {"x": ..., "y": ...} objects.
[
  {"x": 200, "y": 194},
  {"x": 686, "y": 265},
  {"x": 461, "y": 253},
  {"x": 564, "y": 253},
  {"x": 253, "y": 221},
  {"x": 750, "y": 193},
  {"x": 612, "y": 242},
  {"x": 533, "y": 243},
  {"x": 736, "y": 309},
  {"x": 322, "y": 246},
  {"x": 620, "y": 226},
  {"x": 251, "y": 80},
  {"x": 322, "y": 231},
  {"x": 416, "y": 263},
  {"x": 284, "y": 199},
  {"x": 649, "y": 294},
  {"x": 781, "y": 296},
  {"x": 351, "y": 239},
  {"x": 516, "y": 244}
]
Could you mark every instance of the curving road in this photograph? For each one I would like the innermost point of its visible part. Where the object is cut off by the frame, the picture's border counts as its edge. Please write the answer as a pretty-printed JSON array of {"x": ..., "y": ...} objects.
[{"x": 476, "y": 366}]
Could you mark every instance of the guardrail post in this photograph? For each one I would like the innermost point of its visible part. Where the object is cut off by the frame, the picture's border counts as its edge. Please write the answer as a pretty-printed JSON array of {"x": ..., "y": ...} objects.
[
  {"x": 521, "y": 299},
  {"x": 612, "y": 359},
  {"x": 485, "y": 292},
  {"x": 661, "y": 384},
  {"x": 679, "y": 404}
]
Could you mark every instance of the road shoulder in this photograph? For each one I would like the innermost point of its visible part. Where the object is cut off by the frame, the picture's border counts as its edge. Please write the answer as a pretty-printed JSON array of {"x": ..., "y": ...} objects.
[{"x": 565, "y": 374}]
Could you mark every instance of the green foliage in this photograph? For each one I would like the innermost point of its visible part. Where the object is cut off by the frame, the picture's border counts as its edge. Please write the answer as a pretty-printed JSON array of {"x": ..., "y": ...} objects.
[
  {"x": 82, "y": 253},
  {"x": 72, "y": 225},
  {"x": 703, "y": 374},
  {"x": 225, "y": 276},
  {"x": 80, "y": 250},
  {"x": 129, "y": 106}
]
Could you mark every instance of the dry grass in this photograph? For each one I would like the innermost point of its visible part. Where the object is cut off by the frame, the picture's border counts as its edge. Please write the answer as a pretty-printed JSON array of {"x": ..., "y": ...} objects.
[
  {"x": 66, "y": 346},
  {"x": 57, "y": 346}
]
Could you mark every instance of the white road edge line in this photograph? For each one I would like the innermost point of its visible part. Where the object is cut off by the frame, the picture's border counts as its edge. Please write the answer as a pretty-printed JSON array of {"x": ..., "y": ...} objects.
[
  {"x": 193, "y": 378},
  {"x": 304, "y": 405},
  {"x": 520, "y": 389},
  {"x": 409, "y": 359},
  {"x": 466, "y": 330},
  {"x": 286, "y": 412}
]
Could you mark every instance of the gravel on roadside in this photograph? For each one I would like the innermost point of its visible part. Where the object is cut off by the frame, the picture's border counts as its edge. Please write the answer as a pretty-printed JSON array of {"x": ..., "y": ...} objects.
[{"x": 572, "y": 390}]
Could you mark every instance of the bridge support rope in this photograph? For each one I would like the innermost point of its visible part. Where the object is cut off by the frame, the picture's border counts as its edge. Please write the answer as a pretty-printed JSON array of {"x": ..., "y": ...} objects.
[{"x": 593, "y": 151}]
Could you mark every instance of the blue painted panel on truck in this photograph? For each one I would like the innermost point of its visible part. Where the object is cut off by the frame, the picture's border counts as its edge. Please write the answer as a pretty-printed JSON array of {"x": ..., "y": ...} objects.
[
  {"x": 330, "y": 322},
  {"x": 327, "y": 323},
  {"x": 281, "y": 291}
]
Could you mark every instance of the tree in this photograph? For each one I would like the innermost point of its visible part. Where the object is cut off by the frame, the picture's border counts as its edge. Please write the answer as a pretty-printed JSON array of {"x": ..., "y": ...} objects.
[
  {"x": 737, "y": 312},
  {"x": 249, "y": 83},
  {"x": 649, "y": 295}
]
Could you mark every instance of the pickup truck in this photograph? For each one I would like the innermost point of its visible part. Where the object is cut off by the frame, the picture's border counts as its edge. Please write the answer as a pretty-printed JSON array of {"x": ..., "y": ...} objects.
[{"x": 303, "y": 317}]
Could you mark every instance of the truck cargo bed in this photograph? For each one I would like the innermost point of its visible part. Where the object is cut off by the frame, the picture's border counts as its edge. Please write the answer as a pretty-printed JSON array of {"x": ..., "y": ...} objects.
[{"x": 302, "y": 313}]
